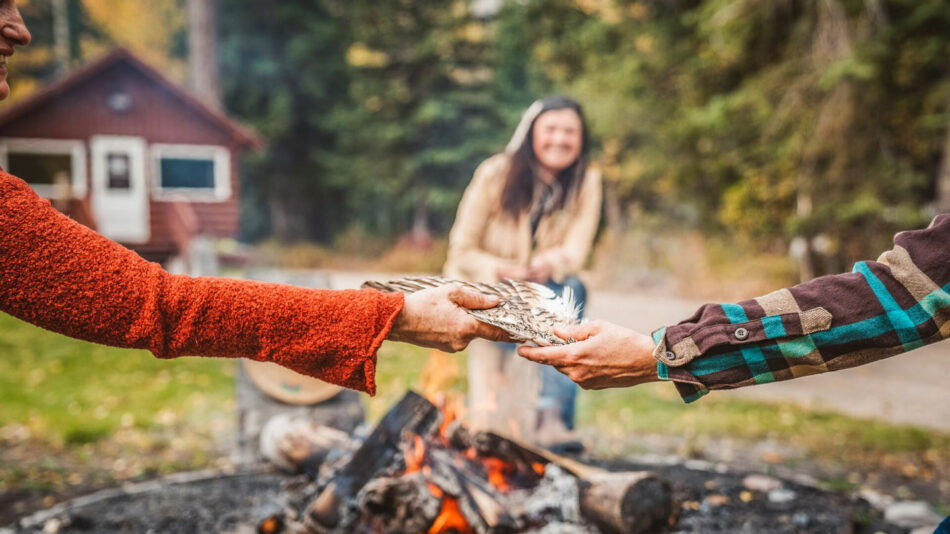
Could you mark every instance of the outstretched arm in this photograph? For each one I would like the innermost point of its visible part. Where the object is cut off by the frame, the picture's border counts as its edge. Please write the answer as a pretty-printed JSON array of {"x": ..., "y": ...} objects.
[
  {"x": 62, "y": 276},
  {"x": 895, "y": 304}
]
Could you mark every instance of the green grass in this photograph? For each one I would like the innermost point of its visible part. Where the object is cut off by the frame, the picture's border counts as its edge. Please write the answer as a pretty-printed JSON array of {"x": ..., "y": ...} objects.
[{"x": 69, "y": 392}]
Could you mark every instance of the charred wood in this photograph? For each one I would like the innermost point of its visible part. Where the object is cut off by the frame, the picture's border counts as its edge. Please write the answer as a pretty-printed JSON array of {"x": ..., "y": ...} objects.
[
  {"x": 412, "y": 415},
  {"x": 630, "y": 502},
  {"x": 298, "y": 444},
  {"x": 403, "y": 504}
]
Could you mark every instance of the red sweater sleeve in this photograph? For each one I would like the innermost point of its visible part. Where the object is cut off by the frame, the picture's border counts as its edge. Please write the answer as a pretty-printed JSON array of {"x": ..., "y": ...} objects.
[{"x": 62, "y": 276}]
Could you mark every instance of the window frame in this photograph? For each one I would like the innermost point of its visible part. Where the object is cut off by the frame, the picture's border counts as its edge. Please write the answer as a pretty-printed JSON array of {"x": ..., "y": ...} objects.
[
  {"x": 74, "y": 148},
  {"x": 219, "y": 155}
]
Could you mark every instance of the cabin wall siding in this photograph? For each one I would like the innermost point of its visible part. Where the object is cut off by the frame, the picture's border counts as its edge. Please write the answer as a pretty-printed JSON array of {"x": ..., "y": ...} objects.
[{"x": 158, "y": 116}]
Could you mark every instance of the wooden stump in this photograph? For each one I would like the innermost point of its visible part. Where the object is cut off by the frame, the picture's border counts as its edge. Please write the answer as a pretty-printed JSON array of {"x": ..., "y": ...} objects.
[
  {"x": 503, "y": 391},
  {"x": 254, "y": 409}
]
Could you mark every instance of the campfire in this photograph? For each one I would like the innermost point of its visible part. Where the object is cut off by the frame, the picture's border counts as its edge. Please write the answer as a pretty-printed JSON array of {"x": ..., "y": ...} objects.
[{"x": 421, "y": 470}]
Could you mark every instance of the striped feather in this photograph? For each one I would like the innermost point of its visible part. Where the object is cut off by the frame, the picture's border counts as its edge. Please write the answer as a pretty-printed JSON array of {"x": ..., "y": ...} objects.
[{"x": 526, "y": 310}]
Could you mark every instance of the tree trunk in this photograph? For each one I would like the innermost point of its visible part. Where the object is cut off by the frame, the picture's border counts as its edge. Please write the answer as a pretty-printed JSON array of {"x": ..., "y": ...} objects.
[
  {"x": 61, "y": 34},
  {"x": 612, "y": 210},
  {"x": 421, "y": 236},
  {"x": 202, "y": 51}
]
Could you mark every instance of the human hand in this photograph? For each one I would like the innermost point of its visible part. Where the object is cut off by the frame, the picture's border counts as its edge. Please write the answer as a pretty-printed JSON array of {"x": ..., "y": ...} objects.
[
  {"x": 435, "y": 318},
  {"x": 539, "y": 271},
  {"x": 541, "y": 266},
  {"x": 604, "y": 356}
]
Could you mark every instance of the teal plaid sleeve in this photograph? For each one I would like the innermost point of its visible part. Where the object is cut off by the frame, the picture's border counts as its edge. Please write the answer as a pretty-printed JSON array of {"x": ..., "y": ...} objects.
[{"x": 895, "y": 304}]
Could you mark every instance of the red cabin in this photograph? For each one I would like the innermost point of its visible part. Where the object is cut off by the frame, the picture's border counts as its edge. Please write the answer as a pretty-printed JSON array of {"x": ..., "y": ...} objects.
[{"x": 123, "y": 150}]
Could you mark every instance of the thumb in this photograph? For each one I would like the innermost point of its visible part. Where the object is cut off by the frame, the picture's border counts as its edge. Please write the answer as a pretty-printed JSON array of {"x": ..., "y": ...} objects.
[
  {"x": 577, "y": 332},
  {"x": 472, "y": 299}
]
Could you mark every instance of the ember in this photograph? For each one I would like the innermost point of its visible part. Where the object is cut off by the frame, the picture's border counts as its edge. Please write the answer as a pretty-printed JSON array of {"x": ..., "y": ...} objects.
[{"x": 422, "y": 471}]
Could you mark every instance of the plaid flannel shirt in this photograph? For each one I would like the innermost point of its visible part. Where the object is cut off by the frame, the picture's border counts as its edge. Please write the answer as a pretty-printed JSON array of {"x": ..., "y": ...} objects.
[{"x": 895, "y": 304}]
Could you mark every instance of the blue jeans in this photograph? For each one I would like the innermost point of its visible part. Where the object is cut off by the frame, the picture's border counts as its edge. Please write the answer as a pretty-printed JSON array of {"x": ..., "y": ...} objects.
[{"x": 557, "y": 390}]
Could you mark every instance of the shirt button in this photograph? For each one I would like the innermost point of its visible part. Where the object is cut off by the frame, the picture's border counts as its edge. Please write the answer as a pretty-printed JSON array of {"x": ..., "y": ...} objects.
[
  {"x": 670, "y": 355},
  {"x": 741, "y": 333}
]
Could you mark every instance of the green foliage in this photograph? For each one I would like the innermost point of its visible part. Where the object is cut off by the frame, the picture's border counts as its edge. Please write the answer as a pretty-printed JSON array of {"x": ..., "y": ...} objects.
[
  {"x": 768, "y": 119},
  {"x": 657, "y": 409},
  {"x": 284, "y": 71},
  {"x": 375, "y": 113}
]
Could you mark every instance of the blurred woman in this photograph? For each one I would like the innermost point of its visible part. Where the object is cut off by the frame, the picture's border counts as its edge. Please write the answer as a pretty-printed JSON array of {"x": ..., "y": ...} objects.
[{"x": 530, "y": 213}]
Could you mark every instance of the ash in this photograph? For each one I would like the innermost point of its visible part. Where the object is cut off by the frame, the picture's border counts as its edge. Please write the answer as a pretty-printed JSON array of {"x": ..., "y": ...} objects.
[{"x": 556, "y": 496}]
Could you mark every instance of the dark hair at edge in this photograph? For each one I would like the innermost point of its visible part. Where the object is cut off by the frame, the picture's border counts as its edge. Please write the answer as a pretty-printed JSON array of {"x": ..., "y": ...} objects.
[{"x": 519, "y": 184}]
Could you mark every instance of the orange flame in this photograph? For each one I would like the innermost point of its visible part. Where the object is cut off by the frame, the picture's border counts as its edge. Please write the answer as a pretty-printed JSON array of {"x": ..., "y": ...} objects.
[
  {"x": 415, "y": 454},
  {"x": 496, "y": 473},
  {"x": 437, "y": 379},
  {"x": 438, "y": 374},
  {"x": 450, "y": 519}
]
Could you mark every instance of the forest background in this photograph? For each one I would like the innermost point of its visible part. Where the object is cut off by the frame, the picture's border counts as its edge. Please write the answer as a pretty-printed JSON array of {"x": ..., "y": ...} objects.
[
  {"x": 744, "y": 144},
  {"x": 819, "y": 126}
]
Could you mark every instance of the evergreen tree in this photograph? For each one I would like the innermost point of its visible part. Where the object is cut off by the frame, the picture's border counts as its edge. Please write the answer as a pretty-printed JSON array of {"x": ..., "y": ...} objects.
[
  {"x": 421, "y": 113},
  {"x": 283, "y": 70}
]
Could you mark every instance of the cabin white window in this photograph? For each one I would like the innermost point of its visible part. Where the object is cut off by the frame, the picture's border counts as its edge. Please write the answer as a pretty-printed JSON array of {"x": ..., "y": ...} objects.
[
  {"x": 54, "y": 168},
  {"x": 196, "y": 172}
]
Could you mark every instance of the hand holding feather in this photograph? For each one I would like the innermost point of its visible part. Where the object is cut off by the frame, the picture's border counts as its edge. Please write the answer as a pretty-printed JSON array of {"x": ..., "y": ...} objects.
[
  {"x": 528, "y": 312},
  {"x": 604, "y": 356},
  {"x": 438, "y": 318}
]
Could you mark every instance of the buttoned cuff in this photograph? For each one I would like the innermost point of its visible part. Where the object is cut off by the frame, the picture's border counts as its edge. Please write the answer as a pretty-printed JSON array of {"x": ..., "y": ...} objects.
[{"x": 678, "y": 345}]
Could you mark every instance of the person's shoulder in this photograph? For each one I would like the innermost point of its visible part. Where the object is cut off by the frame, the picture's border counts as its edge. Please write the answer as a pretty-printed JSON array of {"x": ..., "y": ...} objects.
[
  {"x": 491, "y": 173},
  {"x": 494, "y": 167}
]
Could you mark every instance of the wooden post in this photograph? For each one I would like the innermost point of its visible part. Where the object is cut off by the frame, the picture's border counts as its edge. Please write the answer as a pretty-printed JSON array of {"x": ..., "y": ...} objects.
[{"x": 503, "y": 390}]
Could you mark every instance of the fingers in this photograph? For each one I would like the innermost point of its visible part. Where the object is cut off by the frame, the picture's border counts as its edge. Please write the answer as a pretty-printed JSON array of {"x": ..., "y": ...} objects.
[
  {"x": 578, "y": 332},
  {"x": 553, "y": 355},
  {"x": 471, "y": 299},
  {"x": 493, "y": 333}
]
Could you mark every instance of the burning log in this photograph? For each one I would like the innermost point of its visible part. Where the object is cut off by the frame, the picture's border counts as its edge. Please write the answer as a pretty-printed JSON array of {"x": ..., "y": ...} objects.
[
  {"x": 415, "y": 474},
  {"x": 629, "y": 502},
  {"x": 478, "y": 501},
  {"x": 412, "y": 414},
  {"x": 403, "y": 504}
]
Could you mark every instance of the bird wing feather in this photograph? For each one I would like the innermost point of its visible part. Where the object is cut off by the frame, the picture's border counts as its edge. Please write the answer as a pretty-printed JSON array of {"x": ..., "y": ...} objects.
[{"x": 526, "y": 310}]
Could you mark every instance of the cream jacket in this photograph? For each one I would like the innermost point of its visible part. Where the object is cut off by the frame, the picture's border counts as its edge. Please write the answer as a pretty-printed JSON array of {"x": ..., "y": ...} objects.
[{"x": 485, "y": 238}]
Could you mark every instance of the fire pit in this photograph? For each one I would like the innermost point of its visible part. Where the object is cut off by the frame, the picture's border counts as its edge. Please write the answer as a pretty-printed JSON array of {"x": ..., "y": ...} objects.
[{"x": 421, "y": 472}]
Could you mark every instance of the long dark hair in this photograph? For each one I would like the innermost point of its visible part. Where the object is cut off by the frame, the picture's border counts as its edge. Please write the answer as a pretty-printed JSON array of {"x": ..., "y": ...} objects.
[{"x": 518, "y": 193}]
